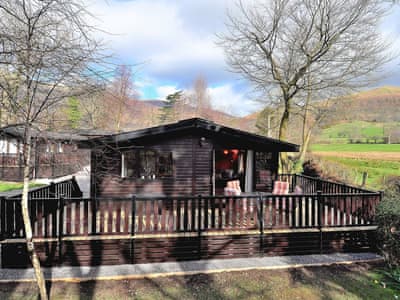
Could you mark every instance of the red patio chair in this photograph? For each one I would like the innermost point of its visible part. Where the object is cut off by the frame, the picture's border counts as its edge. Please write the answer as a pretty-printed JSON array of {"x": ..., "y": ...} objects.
[{"x": 281, "y": 188}]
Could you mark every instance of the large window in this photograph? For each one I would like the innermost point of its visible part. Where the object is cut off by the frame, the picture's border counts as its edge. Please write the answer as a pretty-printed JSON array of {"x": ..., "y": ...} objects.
[{"x": 146, "y": 164}]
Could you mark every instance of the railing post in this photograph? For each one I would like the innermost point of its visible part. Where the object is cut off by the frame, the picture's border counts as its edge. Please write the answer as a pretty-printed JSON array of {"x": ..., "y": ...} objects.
[
  {"x": 260, "y": 206},
  {"x": 132, "y": 237},
  {"x": 94, "y": 214},
  {"x": 261, "y": 213},
  {"x": 133, "y": 215},
  {"x": 60, "y": 227},
  {"x": 320, "y": 212},
  {"x": 2, "y": 217},
  {"x": 199, "y": 206}
]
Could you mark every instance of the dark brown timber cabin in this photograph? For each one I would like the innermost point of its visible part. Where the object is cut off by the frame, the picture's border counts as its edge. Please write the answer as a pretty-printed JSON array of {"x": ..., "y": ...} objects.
[{"x": 190, "y": 157}]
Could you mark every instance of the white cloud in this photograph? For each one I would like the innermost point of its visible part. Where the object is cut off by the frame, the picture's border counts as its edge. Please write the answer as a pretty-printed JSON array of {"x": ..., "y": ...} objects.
[
  {"x": 170, "y": 37},
  {"x": 175, "y": 41},
  {"x": 165, "y": 90},
  {"x": 226, "y": 99}
]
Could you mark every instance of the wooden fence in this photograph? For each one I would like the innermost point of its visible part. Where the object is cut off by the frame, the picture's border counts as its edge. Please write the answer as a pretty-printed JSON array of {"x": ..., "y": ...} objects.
[
  {"x": 66, "y": 217},
  {"x": 78, "y": 231},
  {"x": 310, "y": 185}
]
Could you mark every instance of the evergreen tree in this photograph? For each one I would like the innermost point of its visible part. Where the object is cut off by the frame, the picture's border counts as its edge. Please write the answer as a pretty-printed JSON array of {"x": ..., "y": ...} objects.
[{"x": 169, "y": 111}]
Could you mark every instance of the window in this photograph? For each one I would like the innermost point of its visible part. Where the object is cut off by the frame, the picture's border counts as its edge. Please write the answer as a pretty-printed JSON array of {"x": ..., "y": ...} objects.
[{"x": 146, "y": 164}]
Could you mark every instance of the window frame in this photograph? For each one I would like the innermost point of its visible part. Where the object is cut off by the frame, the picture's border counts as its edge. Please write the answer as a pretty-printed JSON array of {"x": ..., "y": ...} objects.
[{"x": 138, "y": 166}]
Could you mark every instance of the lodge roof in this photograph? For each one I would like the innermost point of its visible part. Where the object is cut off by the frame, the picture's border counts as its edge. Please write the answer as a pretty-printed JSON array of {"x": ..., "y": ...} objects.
[
  {"x": 203, "y": 128},
  {"x": 17, "y": 131}
]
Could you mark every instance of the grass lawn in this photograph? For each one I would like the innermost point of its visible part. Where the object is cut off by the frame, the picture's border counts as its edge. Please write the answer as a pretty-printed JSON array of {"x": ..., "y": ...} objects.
[
  {"x": 356, "y": 147},
  {"x": 335, "y": 282},
  {"x": 6, "y": 186},
  {"x": 377, "y": 170}
]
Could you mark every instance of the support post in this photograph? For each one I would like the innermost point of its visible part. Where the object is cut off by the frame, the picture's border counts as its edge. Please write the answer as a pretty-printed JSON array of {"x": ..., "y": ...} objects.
[
  {"x": 260, "y": 207},
  {"x": 320, "y": 212},
  {"x": 133, "y": 218},
  {"x": 199, "y": 207},
  {"x": 60, "y": 227},
  {"x": 199, "y": 215},
  {"x": 94, "y": 214},
  {"x": 3, "y": 217},
  {"x": 261, "y": 214}
]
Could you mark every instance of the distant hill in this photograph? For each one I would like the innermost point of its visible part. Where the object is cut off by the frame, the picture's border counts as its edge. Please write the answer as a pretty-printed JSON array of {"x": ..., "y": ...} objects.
[
  {"x": 376, "y": 105},
  {"x": 378, "y": 110},
  {"x": 146, "y": 113},
  {"x": 154, "y": 102}
]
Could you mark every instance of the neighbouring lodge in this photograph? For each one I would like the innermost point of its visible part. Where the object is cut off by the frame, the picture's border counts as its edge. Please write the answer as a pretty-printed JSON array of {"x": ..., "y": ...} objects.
[
  {"x": 185, "y": 191},
  {"x": 190, "y": 157},
  {"x": 54, "y": 154}
]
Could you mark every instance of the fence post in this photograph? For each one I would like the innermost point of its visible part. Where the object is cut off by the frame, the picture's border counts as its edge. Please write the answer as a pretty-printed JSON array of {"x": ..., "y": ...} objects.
[
  {"x": 3, "y": 217},
  {"x": 133, "y": 218},
  {"x": 260, "y": 206},
  {"x": 60, "y": 227},
  {"x": 261, "y": 213},
  {"x": 199, "y": 208},
  {"x": 199, "y": 215},
  {"x": 320, "y": 212},
  {"x": 94, "y": 214}
]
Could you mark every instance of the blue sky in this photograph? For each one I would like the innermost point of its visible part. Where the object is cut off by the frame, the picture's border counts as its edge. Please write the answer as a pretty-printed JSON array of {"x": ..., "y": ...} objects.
[{"x": 173, "y": 41}]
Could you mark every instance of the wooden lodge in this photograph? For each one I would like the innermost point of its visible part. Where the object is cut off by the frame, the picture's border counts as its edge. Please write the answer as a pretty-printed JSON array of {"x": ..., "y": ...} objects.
[
  {"x": 189, "y": 190},
  {"x": 190, "y": 157},
  {"x": 54, "y": 154}
]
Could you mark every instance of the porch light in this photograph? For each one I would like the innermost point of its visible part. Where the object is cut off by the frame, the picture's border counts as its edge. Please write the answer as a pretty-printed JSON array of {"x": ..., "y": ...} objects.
[{"x": 226, "y": 152}]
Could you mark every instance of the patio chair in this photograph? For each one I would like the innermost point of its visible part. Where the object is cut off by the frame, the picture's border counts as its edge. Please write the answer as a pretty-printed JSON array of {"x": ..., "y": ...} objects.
[
  {"x": 281, "y": 188},
  {"x": 232, "y": 188}
]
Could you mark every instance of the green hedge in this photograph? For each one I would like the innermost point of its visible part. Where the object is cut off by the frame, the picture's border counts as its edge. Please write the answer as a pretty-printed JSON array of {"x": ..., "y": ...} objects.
[{"x": 388, "y": 220}]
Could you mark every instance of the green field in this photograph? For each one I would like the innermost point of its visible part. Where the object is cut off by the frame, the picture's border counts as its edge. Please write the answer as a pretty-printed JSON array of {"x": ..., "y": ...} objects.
[
  {"x": 348, "y": 162},
  {"x": 356, "y": 147},
  {"x": 378, "y": 171},
  {"x": 343, "y": 132},
  {"x": 6, "y": 186}
]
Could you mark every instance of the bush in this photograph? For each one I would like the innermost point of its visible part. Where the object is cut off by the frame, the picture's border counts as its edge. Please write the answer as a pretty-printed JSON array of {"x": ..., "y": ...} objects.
[
  {"x": 311, "y": 168},
  {"x": 388, "y": 221}
]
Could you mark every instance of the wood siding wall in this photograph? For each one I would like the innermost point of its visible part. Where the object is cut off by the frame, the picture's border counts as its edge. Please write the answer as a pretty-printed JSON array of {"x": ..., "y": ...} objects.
[
  {"x": 192, "y": 171},
  {"x": 146, "y": 250}
]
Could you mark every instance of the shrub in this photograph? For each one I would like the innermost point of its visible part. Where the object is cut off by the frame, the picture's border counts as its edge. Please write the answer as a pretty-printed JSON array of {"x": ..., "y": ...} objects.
[
  {"x": 311, "y": 168},
  {"x": 388, "y": 221}
]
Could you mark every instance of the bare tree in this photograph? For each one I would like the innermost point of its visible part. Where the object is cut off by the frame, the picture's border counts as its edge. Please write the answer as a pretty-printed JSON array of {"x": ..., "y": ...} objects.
[
  {"x": 47, "y": 54},
  {"x": 200, "y": 98},
  {"x": 299, "y": 49},
  {"x": 120, "y": 95}
]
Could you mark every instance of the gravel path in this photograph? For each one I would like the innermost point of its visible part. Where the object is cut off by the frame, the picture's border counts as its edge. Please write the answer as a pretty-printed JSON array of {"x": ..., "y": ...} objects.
[{"x": 185, "y": 268}]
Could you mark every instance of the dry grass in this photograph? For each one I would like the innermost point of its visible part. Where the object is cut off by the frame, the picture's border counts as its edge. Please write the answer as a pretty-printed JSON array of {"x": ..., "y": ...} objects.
[
  {"x": 335, "y": 282},
  {"x": 389, "y": 156}
]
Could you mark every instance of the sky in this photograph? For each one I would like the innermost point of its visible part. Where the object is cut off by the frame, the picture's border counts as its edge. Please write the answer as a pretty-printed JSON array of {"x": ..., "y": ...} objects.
[{"x": 170, "y": 43}]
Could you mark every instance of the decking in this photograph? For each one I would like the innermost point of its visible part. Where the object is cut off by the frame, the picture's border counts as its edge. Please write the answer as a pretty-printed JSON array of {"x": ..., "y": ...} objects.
[{"x": 326, "y": 217}]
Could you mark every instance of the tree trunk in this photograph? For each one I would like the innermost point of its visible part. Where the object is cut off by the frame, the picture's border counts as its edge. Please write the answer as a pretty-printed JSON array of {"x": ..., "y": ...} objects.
[
  {"x": 283, "y": 133},
  {"x": 304, "y": 146},
  {"x": 26, "y": 218}
]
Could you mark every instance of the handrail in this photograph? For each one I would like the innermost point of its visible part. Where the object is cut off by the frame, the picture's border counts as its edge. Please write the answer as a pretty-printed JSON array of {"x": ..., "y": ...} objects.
[{"x": 192, "y": 214}]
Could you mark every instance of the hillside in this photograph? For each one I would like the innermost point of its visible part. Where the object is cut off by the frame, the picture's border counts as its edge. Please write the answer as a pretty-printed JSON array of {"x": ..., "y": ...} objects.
[
  {"x": 376, "y": 105},
  {"x": 367, "y": 114}
]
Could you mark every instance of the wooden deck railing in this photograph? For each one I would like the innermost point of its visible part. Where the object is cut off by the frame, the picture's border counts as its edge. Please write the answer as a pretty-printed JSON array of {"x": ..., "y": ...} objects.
[
  {"x": 68, "y": 188},
  {"x": 311, "y": 185},
  {"x": 56, "y": 218}
]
